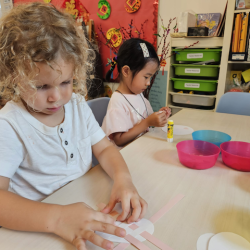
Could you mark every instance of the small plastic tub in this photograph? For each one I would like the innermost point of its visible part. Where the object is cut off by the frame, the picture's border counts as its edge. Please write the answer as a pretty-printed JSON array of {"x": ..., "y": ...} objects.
[
  {"x": 196, "y": 70},
  {"x": 212, "y": 136},
  {"x": 189, "y": 99},
  {"x": 197, "y": 55},
  {"x": 197, "y": 154},
  {"x": 195, "y": 85},
  {"x": 236, "y": 155}
]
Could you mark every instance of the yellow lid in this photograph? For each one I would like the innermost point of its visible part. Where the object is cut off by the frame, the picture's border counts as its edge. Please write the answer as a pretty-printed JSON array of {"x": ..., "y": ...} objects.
[{"x": 170, "y": 122}]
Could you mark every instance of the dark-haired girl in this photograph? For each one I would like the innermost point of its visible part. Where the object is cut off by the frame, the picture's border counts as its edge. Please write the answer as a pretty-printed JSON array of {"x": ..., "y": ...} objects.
[{"x": 129, "y": 114}]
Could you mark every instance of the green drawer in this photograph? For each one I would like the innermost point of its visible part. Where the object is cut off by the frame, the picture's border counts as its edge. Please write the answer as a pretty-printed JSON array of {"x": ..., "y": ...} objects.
[
  {"x": 196, "y": 70},
  {"x": 197, "y": 55},
  {"x": 195, "y": 85}
]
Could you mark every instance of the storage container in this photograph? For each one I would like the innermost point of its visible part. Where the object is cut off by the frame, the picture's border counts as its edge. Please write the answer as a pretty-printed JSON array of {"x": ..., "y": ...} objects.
[
  {"x": 196, "y": 70},
  {"x": 195, "y": 85},
  {"x": 197, "y": 55},
  {"x": 191, "y": 99}
]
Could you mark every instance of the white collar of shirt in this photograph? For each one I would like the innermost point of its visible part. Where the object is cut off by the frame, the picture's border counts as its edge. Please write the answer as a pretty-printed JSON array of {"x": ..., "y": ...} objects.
[{"x": 37, "y": 124}]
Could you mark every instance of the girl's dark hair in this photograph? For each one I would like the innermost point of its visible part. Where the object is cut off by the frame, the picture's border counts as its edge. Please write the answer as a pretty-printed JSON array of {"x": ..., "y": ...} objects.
[{"x": 131, "y": 54}]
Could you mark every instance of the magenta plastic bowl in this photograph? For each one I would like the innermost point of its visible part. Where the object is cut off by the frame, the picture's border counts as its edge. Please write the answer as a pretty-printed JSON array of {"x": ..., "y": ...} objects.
[
  {"x": 236, "y": 155},
  {"x": 197, "y": 154}
]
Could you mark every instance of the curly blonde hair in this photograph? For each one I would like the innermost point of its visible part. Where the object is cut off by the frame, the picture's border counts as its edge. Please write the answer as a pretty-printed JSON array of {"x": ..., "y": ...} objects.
[{"x": 37, "y": 32}]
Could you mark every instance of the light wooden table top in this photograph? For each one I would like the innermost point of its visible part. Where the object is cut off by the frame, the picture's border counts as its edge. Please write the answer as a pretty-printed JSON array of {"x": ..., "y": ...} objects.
[{"x": 216, "y": 200}]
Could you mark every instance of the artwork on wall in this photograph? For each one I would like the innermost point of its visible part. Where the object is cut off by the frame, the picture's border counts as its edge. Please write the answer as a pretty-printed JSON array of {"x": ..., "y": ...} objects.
[
  {"x": 104, "y": 8},
  {"x": 132, "y": 5},
  {"x": 114, "y": 21}
]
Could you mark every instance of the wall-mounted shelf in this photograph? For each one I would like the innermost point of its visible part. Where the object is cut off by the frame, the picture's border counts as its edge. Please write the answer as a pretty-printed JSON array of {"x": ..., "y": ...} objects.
[
  {"x": 208, "y": 42},
  {"x": 239, "y": 62},
  {"x": 180, "y": 108},
  {"x": 243, "y": 10}
]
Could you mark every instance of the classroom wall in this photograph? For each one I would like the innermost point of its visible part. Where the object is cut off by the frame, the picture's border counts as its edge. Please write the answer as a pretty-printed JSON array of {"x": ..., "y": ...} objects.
[{"x": 171, "y": 8}]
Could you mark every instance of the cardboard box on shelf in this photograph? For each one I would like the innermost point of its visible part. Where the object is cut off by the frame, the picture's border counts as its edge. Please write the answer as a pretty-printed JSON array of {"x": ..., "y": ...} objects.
[{"x": 186, "y": 20}]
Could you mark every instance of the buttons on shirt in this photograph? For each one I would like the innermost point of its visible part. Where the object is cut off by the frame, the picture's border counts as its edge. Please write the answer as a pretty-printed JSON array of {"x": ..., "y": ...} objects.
[{"x": 68, "y": 146}]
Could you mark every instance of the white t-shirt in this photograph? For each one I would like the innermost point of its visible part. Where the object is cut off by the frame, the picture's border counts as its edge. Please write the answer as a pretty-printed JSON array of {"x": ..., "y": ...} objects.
[
  {"x": 121, "y": 116},
  {"x": 39, "y": 159}
]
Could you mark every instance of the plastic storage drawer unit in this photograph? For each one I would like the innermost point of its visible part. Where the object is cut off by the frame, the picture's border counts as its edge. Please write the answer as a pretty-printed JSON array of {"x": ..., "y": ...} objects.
[
  {"x": 193, "y": 99},
  {"x": 196, "y": 70},
  {"x": 195, "y": 85},
  {"x": 197, "y": 55}
]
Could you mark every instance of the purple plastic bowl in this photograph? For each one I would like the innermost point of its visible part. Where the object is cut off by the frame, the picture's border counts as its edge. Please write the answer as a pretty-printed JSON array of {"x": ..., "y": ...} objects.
[
  {"x": 197, "y": 154},
  {"x": 236, "y": 155}
]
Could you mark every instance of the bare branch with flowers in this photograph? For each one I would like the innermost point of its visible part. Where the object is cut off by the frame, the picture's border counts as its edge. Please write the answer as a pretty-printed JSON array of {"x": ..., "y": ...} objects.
[{"x": 164, "y": 51}]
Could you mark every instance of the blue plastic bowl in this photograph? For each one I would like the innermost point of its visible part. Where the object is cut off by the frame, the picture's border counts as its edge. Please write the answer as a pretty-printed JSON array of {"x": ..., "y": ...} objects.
[{"x": 212, "y": 136}]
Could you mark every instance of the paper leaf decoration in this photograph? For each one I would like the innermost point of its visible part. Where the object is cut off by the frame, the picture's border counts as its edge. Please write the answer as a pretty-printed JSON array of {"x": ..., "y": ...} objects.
[
  {"x": 105, "y": 8},
  {"x": 132, "y": 5}
]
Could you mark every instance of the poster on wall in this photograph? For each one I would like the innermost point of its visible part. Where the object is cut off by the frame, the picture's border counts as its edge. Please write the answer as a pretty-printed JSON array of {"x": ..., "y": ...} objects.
[
  {"x": 115, "y": 21},
  {"x": 157, "y": 95}
]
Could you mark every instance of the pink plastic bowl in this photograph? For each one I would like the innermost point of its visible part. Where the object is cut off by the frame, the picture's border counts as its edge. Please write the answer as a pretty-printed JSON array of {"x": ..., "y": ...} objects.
[
  {"x": 236, "y": 155},
  {"x": 197, "y": 154}
]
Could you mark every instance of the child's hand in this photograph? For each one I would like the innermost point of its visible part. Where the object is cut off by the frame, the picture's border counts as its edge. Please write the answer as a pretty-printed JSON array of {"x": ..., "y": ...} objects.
[
  {"x": 157, "y": 119},
  {"x": 78, "y": 223},
  {"x": 133, "y": 206},
  {"x": 167, "y": 111}
]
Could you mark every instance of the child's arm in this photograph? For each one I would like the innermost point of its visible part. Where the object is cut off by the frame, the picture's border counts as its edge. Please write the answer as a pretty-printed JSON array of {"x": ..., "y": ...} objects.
[
  {"x": 123, "y": 189},
  {"x": 75, "y": 223},
  {"x": 157, "y": 119}
]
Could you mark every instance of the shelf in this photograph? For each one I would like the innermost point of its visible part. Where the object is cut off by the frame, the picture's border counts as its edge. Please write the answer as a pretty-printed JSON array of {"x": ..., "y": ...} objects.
[
  {"x": 206, "y": 96},
  {"x": 239, "y": 62},
  {"x": 211, "y": 42},
  {"x": 177, "y": 107},
  {"x": 243, "y": 10}
]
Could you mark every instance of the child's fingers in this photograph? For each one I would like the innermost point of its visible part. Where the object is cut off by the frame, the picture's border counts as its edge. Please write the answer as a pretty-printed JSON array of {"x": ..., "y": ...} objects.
[
  {"x": 144, "y": 207},
  {"x": 109, "y": 207},
  {"x": 125, "y": 209},
  {"x": 136, "y": 205},
  {"x": 108, "y": 228},
  {"x": 98, "y": 240},
  {"x": 79, "y": 243},
  {"x": 105, "y": 218},
  {"x": 161, "y": 115},
  {"x": 163, "y": 122}
]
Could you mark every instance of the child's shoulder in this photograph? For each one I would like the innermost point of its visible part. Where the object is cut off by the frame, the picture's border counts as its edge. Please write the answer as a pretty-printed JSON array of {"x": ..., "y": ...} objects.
[
  {"x": 77, "y": 101},
  {"x": 78, "y": 106},
  {"x": 10, "y": 117},
  {"x": 117, "y": 101},
  {"x": 10, "y": 109}
]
